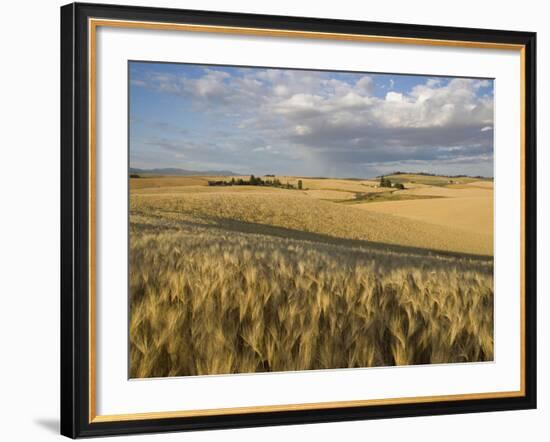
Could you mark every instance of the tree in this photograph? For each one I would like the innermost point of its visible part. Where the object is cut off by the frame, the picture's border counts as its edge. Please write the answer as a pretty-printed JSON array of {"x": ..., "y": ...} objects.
[
  {"x": 384, "y": 182},
  {"x": 300, "y": 184}
]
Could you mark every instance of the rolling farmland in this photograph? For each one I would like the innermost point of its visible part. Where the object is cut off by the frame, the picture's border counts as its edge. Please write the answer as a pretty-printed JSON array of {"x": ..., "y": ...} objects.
[{"x": 341, "y": 273}]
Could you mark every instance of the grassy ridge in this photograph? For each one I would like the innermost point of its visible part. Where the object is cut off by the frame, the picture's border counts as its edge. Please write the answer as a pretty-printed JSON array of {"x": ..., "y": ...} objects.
[{"x": 433, "y": 180}]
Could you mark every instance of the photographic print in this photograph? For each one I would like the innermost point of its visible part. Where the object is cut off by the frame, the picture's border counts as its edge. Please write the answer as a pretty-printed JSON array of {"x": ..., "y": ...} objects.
[
  {"x": 272, "y": 220},
  {"x": 286, "y": 219}
]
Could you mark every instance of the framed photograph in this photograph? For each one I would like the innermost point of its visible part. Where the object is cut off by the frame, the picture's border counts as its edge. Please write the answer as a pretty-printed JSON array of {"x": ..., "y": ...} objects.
[{"x": 274, "y": 220}]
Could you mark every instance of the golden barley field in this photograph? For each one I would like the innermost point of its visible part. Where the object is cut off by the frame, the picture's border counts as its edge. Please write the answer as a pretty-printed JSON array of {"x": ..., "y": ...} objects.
[{"x": 243, "y": 279}]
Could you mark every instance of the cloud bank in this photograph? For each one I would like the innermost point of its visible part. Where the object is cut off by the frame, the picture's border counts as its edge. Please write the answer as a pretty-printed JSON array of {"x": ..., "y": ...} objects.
[{"x": 281, "y": 121}]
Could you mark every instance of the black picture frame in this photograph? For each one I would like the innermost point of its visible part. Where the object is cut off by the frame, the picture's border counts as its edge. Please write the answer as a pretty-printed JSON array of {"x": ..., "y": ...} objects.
[{"x": 75, "y": 220}]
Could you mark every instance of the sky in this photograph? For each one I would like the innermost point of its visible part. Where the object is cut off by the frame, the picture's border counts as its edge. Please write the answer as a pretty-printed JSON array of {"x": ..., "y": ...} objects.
[{"x": 308, "y": 123}]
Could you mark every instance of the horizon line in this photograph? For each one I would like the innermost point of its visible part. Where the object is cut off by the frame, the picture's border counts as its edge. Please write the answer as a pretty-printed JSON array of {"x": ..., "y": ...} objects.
[{"x": 397, "y": 172}]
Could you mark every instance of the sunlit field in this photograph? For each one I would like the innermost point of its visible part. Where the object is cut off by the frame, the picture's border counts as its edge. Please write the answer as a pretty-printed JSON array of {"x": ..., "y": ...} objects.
[{"x": 339, "y": 273}]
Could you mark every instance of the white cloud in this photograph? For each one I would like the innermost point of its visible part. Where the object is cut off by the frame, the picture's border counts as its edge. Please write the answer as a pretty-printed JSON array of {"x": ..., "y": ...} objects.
[
  {"x": 302, "y": 130},
  {"x": 262, "y": 149},
  {"x": 141, "y": 83},
  {"x": 365, "y": 85},
  {"x": 395, "y": 97},
  {"x": 433, "y": 82}
]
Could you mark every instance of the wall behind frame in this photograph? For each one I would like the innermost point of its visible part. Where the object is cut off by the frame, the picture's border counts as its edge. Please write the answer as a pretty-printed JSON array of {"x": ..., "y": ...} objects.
[{"x": 29, "y": 225}]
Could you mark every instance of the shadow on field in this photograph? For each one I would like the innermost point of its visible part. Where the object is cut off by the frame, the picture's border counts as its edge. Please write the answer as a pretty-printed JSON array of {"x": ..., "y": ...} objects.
[
  {"x": 246, "y": 227},
  {"x": 283, "y": 232}
]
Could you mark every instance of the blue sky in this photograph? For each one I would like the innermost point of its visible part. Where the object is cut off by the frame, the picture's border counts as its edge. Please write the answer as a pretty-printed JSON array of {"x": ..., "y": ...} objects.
[{"x": 309, "y": 123}]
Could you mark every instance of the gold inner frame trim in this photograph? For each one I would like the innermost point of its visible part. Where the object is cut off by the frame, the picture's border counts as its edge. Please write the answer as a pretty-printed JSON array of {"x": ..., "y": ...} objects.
[{"x": 93, "y": 24}]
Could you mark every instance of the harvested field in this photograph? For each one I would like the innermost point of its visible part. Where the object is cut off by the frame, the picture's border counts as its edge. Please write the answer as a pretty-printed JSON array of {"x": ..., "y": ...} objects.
[{"x": 469, "y": 209}]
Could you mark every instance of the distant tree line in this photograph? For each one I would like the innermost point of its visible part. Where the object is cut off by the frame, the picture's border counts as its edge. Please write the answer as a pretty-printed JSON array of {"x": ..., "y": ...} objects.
[
  {"x": 481, "y": 177},
  {"x": 257, "y": 181},
  {"x": 385, "y": 182},
  {"x": 414, "y": 173}
]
